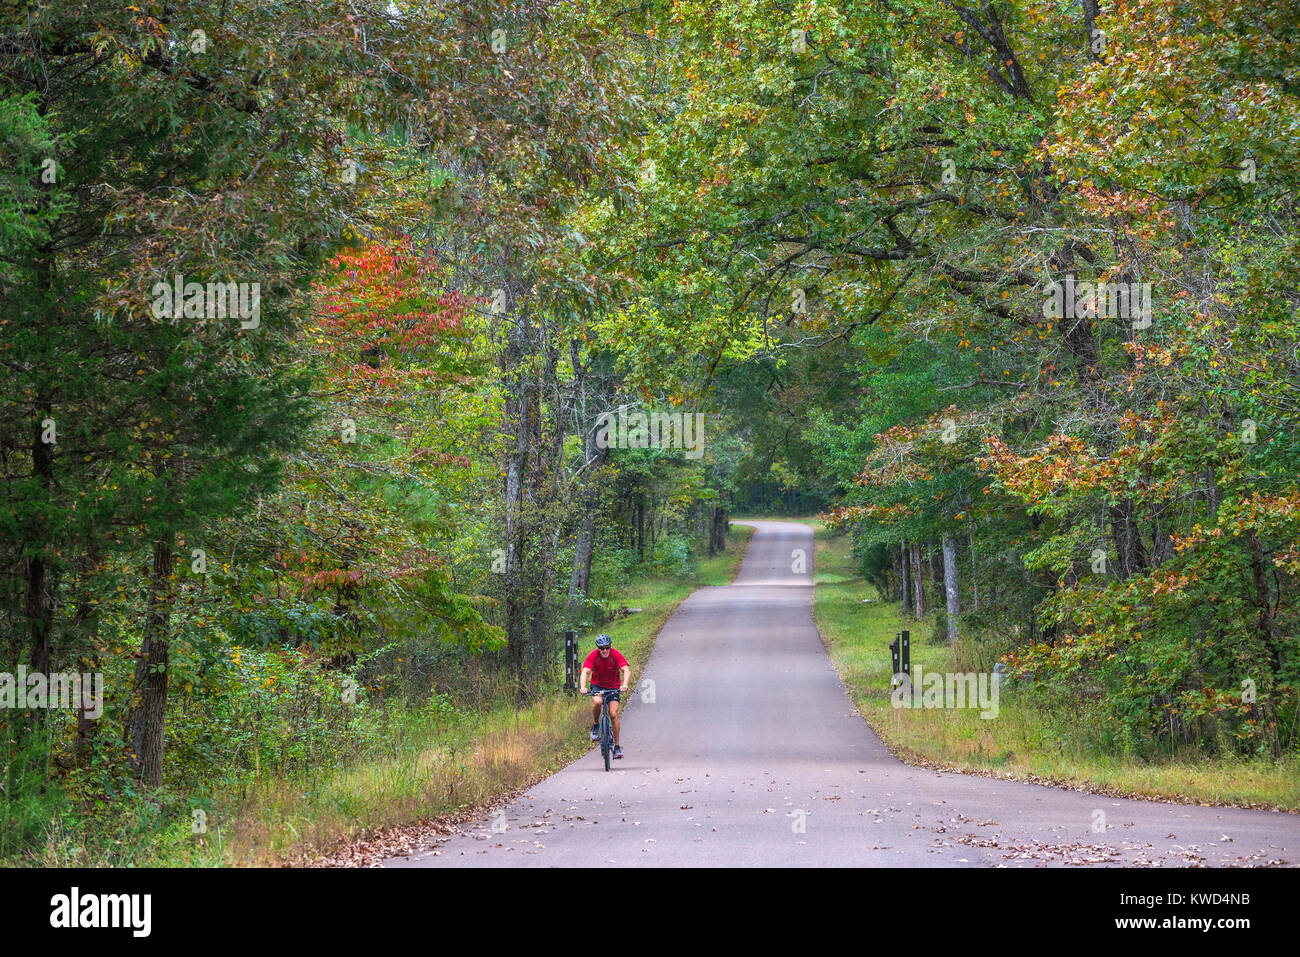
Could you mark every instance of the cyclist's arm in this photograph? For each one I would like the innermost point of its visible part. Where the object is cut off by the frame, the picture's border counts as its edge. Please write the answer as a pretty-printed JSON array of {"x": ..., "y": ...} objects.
[
  {"x": 627, "y": 676},
  {"x": 583, "y": 679}
]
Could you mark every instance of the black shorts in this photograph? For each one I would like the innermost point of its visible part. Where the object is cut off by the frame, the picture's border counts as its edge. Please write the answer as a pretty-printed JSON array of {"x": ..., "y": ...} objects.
[{"x": 609, "y": 694}]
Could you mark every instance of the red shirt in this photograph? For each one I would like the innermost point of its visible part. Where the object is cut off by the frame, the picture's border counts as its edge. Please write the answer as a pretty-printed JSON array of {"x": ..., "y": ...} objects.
[{"x": 605, "y": 671}]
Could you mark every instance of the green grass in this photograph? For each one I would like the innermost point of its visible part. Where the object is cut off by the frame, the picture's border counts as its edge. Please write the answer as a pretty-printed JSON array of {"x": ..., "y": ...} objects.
[{"x": 1022, "y": 741}]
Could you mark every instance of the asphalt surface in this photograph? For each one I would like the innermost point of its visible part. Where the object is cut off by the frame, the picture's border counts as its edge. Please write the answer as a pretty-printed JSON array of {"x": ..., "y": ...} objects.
[{"x": 746, "y": 751}]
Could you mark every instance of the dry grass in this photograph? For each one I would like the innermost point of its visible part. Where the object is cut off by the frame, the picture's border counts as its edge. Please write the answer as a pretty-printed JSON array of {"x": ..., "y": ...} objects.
[{"x": 283, "y": 821}]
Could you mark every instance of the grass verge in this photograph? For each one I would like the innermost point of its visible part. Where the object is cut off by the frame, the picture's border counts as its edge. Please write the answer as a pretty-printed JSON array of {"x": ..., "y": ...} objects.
[{"x": 1023, "y": 741}]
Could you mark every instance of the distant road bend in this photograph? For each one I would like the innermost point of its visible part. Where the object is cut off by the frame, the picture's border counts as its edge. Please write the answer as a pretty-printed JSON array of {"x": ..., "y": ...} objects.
[{"x": 752, "y": 754}]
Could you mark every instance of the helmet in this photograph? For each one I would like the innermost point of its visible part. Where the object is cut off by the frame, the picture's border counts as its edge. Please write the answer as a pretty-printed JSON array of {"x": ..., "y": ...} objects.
[{"x": 602, "y": 641}]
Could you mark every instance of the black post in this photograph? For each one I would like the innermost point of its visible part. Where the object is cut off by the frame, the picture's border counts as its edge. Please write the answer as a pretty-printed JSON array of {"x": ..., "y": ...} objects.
[
  {"x": 900, "y": 651},
  {"x": 570, "y": 659}
]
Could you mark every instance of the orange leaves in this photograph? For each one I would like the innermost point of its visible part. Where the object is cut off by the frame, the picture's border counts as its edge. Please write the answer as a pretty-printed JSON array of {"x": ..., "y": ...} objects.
[
  {"x": 1133, "y": 424},
  {"x": 1168, "y": 582},
  {"x": 850, "y": 514},
  {"x": 1064, "y": 465}
]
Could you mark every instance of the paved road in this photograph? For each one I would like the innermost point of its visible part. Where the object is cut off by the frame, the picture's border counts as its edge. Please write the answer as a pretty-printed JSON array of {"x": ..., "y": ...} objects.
[{"x": 751, "y": 753}]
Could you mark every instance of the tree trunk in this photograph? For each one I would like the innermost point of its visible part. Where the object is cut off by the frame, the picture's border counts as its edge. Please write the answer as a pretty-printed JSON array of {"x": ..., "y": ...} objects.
[
  {"x": 580, "y": 580},
  {"x": 640, "y": 528},
  {"x": 41, "y": 586},
  {"x": 42, "y": 576},
  {"x": 918, "y": 588},
  {"x": 539, "y": 496},
  {"x": 717, "y": 530},
  {"x": 42, "y": 579},
  {"x": 85, "y": 626},
  {"x": 1090, "y": 11},
  {"x": 1263, "y": 601},
  {"x": 1162, "y": 548},
  {"x": 521, "y": 409},
  {"x": 1259, "y": 574},
  {"x": 1128, "y": 543},
  {"x": 1211, "y": 494},
  {"x": 151, "y": 675},
  {"x": 950, "y": 584},
  {"x": 974, "y": 578},
  {"x": 905, "y": 577}
]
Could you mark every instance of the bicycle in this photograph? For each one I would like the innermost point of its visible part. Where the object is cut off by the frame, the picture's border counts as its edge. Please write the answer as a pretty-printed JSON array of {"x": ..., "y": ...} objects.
[{"x": 606, "y": 726}]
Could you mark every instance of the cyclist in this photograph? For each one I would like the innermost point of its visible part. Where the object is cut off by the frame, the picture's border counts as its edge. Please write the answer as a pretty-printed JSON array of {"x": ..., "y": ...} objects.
[{"x": 610, "y": 673}]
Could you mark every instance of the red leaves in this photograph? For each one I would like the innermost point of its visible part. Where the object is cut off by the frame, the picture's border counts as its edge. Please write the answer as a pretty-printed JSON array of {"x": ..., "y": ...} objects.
[
  {"x": 334, "y": 578},
  {"x": 386, "y": 301}
]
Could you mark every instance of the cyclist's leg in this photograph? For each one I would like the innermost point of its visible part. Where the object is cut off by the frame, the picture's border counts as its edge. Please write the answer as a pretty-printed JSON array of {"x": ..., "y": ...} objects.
[
  {"x": 595, "y": 709},
  {"x": 613, "y": 717}
]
